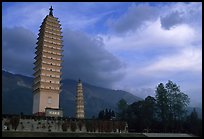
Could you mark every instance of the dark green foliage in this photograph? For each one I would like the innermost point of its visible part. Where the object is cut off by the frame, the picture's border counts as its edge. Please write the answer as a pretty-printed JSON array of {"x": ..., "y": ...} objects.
[
  {"x": 88, "y": 125},
  {"x": 73, "y": 126},
  {"x": 141, "y": 115},
  {"x": 167, "y": 112},
  {"x": 113, "y": 114},
  {"x": 65, "y": 126},
  {"x": 106, "y": 114},
  {"x": 122, "y": 107},
  {"x": 80, "y": 124},
  {"x": 162, "y": 102},
  {"x": 193, "y": 124},
  {"x": 178, "y": 103},
  {"x": 14, "y": 122},
  {"x": 148, "y": 111},
  {"x": 101, "y": 114}
]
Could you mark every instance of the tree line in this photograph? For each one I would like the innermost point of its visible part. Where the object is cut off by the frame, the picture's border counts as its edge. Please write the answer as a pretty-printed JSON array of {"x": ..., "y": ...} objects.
[
  {"x": 106, "y": 114},
  {"x": 166, "y": 112}
]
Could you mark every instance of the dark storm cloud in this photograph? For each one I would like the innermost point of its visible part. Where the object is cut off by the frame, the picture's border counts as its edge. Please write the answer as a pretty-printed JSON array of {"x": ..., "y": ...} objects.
[
  {"x": 171, "y": 20},
  {"x": 86, "y": 58},
  {"x": 135, "y": 17},
  {"x": 18, "y": 50}
]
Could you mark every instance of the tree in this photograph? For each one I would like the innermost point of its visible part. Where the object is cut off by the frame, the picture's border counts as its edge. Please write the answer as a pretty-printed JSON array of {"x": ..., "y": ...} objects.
[
  {"x": 164, "y": 113},
  {"x": 178, "y": 103},
  {"x": 112, "y": 114},
  {"x": 134, "y": 116},
  {"x": 101, "y": 114},
  {"x": 148, "y": 111},
  {"x": 162, "y": 104},
  {"x": 65, "y": 126},
  {"x": 73, "y": 126},
  {"x": 109, "y": 114},
  {"x": 172, "y": 104},
  {"x": 89, "y": 126},
  {"x": 122, "y": 104},
  {"x": 193, "y": 124},
  {"x": 80, "y": 124},
  {"x": 106, "y": 114},
  {"x": 14, "y": 122},
  {"x": 122, "y": 107},
  {"x": 141, "y": 114}
]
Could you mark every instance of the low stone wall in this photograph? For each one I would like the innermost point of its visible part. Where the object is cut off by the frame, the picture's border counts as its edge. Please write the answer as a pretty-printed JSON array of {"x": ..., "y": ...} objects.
[{"x": 47, "y": 124}]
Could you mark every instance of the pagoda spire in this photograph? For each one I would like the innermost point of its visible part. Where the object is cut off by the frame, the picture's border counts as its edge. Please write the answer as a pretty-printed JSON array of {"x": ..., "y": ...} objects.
[{"x": 51, "y": 11}]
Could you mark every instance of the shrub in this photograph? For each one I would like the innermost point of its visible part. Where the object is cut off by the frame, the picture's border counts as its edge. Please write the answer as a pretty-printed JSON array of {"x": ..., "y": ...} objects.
[
  {"x": 64, "y": 126},
  {"x": 73, "y": 126},
  {"x": 14, "y": 122}
]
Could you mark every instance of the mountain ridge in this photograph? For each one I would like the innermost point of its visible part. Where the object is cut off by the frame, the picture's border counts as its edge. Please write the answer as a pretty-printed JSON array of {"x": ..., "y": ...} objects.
[
  {"x": 94, "y": 102},
  {"x": 96, "y": 98}
]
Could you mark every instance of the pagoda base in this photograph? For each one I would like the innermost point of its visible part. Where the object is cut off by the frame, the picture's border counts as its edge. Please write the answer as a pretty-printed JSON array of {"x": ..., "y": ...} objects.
[{"x": 52, "y": 112}]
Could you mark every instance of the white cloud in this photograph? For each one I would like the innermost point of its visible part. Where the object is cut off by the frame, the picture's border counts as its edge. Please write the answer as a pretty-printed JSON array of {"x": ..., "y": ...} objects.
[
  {"x": 152, "y": 36},
  {"x": 81, "y": 22},
  {"x": 134, "y": 18},
  {"x": 153, "y": 54},
  {"x": 75, "y": 16},
  {"x": 179, "y": 13},
  {"x": 24, "y": 15},
  {"x": 171, "y": 20},
  {"x": 188, "y": 59}
]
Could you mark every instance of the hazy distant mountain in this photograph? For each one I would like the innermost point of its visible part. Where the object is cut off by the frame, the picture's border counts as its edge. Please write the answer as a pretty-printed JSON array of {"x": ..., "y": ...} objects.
[{"x": 17, "y": 96}]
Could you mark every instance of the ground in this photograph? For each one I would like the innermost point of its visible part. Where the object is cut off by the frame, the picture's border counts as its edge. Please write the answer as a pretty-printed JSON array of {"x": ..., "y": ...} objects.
[{"x": 68, "y": 134}]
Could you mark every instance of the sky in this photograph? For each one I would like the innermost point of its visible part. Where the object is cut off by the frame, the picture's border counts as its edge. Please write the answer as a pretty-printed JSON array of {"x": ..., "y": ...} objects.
[{"x": 130, "y": 46}]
